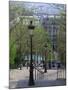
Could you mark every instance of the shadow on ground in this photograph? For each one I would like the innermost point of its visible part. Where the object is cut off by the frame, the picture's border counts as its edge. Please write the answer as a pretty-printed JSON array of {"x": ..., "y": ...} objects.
[{"x": 38, "y": 83}]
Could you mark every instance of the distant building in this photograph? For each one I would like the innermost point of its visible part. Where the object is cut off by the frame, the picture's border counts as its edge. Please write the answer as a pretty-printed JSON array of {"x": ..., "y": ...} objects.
[{"x": 50, "y": 23}]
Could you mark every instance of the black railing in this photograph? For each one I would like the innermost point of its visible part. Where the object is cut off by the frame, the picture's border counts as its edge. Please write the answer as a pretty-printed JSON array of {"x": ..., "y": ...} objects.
[
  {"x": 53, "y": 74},
  {"x": 39, "y": 73}
]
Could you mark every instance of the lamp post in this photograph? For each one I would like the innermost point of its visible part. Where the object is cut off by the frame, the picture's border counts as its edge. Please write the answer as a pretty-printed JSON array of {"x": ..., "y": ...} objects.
[
  {"x": 50, "y": 62},
  {"x": 45, "y": 63},
  {"x": 31, "y": 79}
]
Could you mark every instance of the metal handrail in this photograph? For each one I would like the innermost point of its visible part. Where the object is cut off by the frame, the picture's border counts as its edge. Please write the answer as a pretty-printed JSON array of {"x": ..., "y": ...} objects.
[
  {"x": 39, "y": 70},
  {"x": 38, "y": 76}
]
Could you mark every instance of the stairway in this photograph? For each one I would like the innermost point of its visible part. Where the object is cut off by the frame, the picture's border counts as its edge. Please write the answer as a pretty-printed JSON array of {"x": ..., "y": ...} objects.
[{"x": 38, "y": 83}]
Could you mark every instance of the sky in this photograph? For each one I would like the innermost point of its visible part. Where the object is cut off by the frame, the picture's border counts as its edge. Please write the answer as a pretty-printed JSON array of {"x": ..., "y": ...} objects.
[{"x": 40, "y": 7}]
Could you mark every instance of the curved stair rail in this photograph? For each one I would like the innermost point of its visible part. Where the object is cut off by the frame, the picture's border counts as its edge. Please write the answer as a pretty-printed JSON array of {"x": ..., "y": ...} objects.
[{"x": 39, "y": 74}]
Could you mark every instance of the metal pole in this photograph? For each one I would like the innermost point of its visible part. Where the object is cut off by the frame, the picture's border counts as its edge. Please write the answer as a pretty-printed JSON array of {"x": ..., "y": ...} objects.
[
  {"x": 35, "y": 65},
  {"x": 57, "y": 71},
  {"x": 45, "y": 63},
  {"x": 35, "y": 74},
  {"x": 31, "y": 79}
]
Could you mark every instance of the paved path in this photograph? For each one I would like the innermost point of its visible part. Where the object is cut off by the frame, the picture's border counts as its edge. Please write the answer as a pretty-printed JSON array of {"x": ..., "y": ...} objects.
[
  {"x": 16, "y": 74},
  {"x": 19, "y": 78}
]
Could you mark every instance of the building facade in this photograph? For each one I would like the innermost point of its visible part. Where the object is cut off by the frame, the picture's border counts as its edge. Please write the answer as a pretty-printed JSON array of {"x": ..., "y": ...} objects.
[{"x": 50, "y": 23}]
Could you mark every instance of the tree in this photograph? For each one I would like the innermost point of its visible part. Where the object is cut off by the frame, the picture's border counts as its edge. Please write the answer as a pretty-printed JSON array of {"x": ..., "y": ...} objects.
[
  {"x": 61, "y": 38},
  {"x": 20, "y": 39},
  {"x": 40, "y": 39}
]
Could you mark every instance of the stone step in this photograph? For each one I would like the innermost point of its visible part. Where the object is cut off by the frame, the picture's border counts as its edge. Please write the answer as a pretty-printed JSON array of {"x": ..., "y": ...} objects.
[{"x": 38, "y": 83}]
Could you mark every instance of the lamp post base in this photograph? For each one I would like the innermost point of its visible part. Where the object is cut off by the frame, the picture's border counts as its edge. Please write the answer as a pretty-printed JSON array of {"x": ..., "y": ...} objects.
[
  {"x": 31, "y": 83},
  {"x": 31, "y": 79}
]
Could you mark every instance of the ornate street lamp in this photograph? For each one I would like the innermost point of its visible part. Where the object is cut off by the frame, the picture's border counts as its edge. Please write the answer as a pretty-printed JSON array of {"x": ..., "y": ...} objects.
[
  {"x": 31, "y": 79},
  {"x": 45, "y": 63}
]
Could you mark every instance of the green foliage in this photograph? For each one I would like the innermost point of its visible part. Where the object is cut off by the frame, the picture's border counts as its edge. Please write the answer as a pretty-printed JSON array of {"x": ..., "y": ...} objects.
[
  {"x": 40, "y": 39},
  {"x": 12, "y": 54},
  {"x": 61, "y": 38},
  {"x": 20, "y": 38}
]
